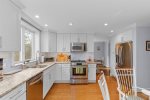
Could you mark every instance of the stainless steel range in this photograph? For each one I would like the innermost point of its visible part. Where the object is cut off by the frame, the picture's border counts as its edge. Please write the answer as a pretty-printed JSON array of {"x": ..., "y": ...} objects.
[{"x": 79, "y": 72}]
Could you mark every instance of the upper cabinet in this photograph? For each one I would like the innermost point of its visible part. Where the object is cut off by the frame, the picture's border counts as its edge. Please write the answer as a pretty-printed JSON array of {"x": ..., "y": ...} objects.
[
  {"x": 63, "y": 42},
  {"x": 10, "y": 30},
  {"x": 52, "y": 42},
  {"x": 90, "y": 42},
  {"x": 79, "y": 37},
  {"x": 48, "y": 41}
]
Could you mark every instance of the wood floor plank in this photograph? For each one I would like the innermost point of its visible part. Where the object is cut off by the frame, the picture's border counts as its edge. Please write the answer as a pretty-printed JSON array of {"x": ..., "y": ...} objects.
[{"x": 82, "y": 92}]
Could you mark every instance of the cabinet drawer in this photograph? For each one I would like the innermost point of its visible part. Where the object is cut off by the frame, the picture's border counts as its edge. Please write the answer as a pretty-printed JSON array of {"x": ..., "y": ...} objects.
[{"x": 16, "y": 93}]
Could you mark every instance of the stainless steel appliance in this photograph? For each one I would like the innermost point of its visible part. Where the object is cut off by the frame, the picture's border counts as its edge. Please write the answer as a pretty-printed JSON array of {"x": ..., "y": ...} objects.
[
  {"x": 79, "y": 72},
  {"x": 35, "y": 88},
  {"x": 1, "y": 63},
  {"x": 124, "y": 55},
  {"x": 78, "y": 47}
]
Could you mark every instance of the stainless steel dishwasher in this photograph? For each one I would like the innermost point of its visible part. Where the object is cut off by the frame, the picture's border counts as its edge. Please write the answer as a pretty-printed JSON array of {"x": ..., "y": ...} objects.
[{"x": 35, "y": 88}]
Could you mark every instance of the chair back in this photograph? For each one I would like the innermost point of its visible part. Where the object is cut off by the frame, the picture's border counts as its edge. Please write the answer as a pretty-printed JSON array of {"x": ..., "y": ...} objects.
[
  {"x": 103, "y": 86},
  {"x": 126, "y": 80}
]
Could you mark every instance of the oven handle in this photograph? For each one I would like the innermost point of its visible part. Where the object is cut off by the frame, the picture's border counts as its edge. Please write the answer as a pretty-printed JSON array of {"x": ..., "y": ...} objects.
[
  {"x": 79, "y": 66},
  {"x": 35, "y": 81}
]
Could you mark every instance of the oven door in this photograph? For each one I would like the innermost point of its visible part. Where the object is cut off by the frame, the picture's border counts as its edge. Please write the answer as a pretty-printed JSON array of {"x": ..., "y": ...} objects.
[{"x": 79, "y": 72}]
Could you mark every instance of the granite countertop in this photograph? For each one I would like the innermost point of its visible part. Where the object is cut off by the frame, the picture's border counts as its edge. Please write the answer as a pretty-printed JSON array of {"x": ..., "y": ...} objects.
[
  {"x": 93, "y": 62},
  {"x": 10, "y": 82},
  {"x": 66, "y": 62}
]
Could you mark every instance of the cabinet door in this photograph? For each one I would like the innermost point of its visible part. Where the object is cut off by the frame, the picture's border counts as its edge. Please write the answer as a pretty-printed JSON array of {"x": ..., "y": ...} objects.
[
  {"x": 16, "y": 94},
  {"x": 90, "y": 43},
  {"x": 74, "y": 38},
  {"x": 54, "y": 73},
  {"x": 60, "y": 46},
  {"x": 58, "y": 72},
  {"x": 45, "y": 41},
  {"x": 66, "y": 72},
  {"x": 52, "y": 42},
  {"x": 51, "y": 78},
  {"x": 21, "y": 97},
  {"x": 66, "y": 43},
  {"x": 82, "y": 38},
  {"x": 92, "y": 72},
  {"x": 10, "y": 29},
  {"x": 45, "y": 82}
]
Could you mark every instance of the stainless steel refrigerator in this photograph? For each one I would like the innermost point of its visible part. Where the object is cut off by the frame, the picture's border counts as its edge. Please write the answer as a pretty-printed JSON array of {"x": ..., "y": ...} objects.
[{"x": 124, "y": 55}]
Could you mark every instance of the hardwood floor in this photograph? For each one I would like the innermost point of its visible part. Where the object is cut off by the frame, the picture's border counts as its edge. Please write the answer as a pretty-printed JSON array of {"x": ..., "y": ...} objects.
[{"x": 82, "y": 92}]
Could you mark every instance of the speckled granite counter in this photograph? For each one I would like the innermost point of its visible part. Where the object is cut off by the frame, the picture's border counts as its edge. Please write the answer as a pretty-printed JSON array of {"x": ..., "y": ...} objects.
[
  {"x": 93, "y": 62},
  {"x": 10, "y": 82}
]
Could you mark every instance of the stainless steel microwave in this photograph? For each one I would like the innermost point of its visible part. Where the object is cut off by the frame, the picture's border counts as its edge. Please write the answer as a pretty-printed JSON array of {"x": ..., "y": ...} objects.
[{"x": 78, "y": 47}]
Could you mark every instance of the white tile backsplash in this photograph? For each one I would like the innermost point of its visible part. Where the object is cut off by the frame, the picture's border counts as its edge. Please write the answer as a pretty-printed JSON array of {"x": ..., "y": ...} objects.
[
  {"x": 7, "y": 59},
  {"x": 82, "y": 56}
]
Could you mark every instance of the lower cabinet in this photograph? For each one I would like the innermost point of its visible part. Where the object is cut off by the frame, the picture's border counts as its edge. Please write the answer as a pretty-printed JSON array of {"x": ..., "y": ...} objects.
[
  {"x": 92, "y": 73},
  {"x": 62, "y": 73},
  {"x": 58, "y": 72},
  {"x": 48, "y": 79},
  {"x": 18, "y": 93},
  {"x": 65, "y": 72}
]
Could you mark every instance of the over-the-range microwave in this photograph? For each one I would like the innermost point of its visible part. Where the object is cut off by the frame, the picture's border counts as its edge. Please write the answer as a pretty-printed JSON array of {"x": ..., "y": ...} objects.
[{"x": 78, "y": 47}]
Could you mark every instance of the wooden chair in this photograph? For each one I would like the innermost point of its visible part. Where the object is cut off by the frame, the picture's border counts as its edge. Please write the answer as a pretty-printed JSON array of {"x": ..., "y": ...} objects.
[
  {"x": 103, "y": 86},
  {"x": 127, "y": 85}
]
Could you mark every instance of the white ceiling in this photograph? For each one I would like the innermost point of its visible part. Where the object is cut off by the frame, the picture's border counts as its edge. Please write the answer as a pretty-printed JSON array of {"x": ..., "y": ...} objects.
[{"x": 88, "y": 16}]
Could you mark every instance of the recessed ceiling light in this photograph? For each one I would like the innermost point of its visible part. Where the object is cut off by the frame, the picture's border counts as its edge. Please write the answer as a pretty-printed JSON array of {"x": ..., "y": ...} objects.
[
  {"x": 70, "y": 24},
  {"x": 112, "y": 31},
  {"x": 46, "y": 25},
  {"x": 37, "y": 16},
  {"x": 106, "y": 24}
]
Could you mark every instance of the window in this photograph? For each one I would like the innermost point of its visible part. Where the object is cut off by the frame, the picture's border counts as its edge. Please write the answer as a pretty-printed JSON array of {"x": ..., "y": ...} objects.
[
  {"x": 28, "y": 40},
  {"x": 30, "y": 43}
]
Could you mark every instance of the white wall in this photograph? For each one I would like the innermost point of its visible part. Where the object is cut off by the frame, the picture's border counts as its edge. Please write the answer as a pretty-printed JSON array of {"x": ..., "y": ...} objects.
[{"x": 143, "y": 58}]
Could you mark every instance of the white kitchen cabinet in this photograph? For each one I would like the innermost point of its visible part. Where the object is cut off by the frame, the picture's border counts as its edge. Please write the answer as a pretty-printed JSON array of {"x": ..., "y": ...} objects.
[
  {"x": 18, "y": 93},
  {"x": 22, "y": 97},
  {"x": 63, "y": 42},
  {"x": 60, "y": 44},
  {"x": 48, "y": 79},
  {"x": 77, "y": 37},
  {"x": 90, "y": 42},
  {"x": 74, "y": 38},
  {"x": 82, "y": 38},
  {"x": 44, "y": 41},
  {"x": 45, "y": 82},
  {"x": 58, "y": 72},
  {"x": 52, "y": 42},
  {"x": 48, "y": 41},
  {"x": 66, "y": 42},
  {"x": 62, "y": 73},
  {"x": 66, "y": 72},
  {"x": 92, "y": 73},
  {"x": 10, "y": 28}
]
